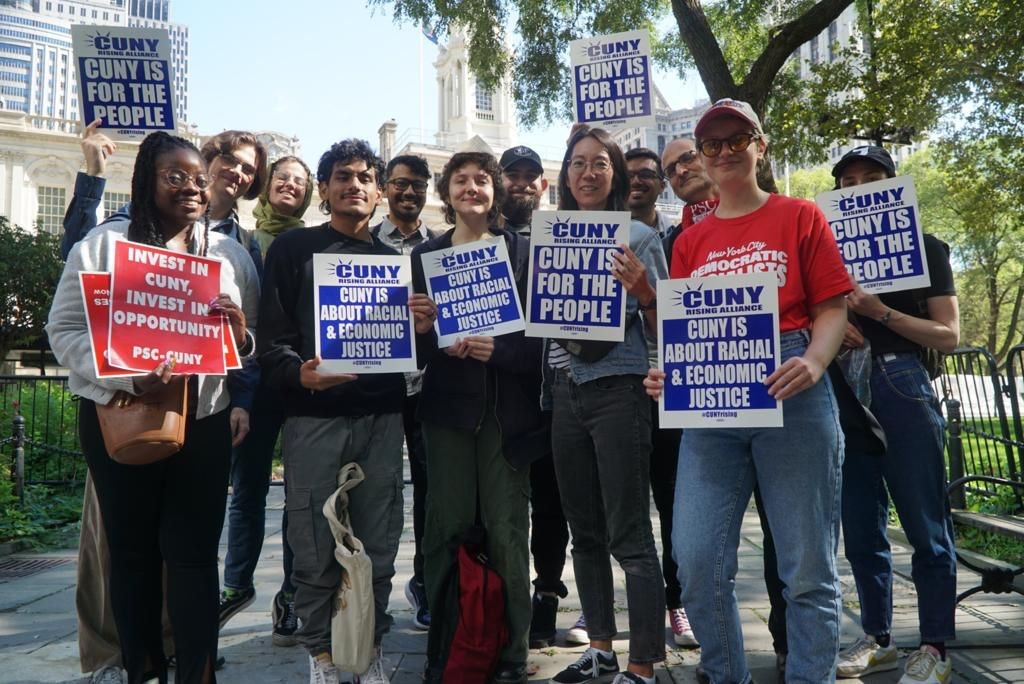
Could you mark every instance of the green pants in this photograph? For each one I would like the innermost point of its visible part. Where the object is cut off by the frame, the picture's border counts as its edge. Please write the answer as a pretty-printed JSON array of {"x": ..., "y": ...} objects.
[{"x": 463, "y": 467}]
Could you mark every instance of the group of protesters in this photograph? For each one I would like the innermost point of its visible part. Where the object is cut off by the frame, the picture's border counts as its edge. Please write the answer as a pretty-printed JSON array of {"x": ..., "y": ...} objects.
[{"x": 519, "y": 435}]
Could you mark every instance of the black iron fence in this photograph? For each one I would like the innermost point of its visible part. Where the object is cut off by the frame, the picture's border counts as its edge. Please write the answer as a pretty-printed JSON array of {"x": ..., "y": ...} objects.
[{"x": 982, "y": 406}]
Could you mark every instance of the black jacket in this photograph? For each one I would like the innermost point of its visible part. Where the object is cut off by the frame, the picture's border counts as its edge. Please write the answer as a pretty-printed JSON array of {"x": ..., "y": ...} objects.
[{"x": 457, "y": 393}]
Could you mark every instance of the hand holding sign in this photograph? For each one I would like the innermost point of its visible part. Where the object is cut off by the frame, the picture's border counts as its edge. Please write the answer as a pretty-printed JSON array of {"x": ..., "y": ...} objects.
[
  {"x": 654, "y": 383},
  {"x": 314, "y": 381},
  {"x": 424, "y": 312},
  {"x": 866, "y": 304},
  {"x": 236, "y": 317},
  {"x": 480, "y": 347},
  {"x": 96, "y": 147},
  {"x": 161, "y": 375},
  {"x": 631, "y": 272}
]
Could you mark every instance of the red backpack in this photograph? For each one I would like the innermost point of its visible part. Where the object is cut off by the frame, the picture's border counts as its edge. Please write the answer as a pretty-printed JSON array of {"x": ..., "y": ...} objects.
[{"x": 480, "y": 630}]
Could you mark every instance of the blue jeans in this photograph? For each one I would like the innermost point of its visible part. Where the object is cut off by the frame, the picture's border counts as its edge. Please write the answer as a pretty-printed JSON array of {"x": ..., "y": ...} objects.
[
  {"x": 601, "y": 440},
  {"x": 914, "y": 472},
  {"x": 797, "y": 468},
  {"x": 251, "y": 464}
]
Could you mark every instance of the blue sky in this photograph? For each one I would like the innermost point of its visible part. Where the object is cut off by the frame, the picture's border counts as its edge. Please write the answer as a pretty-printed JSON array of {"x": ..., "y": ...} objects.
[{"x": 324, "y": 71}]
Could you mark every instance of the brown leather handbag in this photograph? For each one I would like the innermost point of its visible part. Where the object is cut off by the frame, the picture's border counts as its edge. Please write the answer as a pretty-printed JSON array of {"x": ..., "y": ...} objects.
[{"x": 138, "y": 430}]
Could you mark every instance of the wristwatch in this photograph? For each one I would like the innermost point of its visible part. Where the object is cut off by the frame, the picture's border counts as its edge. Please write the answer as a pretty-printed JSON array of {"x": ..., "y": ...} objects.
[{"x": 884, "y": 320}]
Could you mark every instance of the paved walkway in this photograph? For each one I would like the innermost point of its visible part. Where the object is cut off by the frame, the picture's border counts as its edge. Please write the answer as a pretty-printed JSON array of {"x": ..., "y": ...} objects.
[{"x": 38, "y": 641}]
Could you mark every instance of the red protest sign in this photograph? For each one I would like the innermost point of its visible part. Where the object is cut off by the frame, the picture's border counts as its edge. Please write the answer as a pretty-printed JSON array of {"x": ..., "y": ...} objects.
[
  {"x": 96, "y": 297},
  {"x": 231, "y": 358},
  {"x": 159, "y": 303}
]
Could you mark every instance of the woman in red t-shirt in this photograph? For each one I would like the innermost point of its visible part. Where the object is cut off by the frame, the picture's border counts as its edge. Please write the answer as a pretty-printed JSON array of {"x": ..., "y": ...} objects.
[{"x": 797, "y": 467}]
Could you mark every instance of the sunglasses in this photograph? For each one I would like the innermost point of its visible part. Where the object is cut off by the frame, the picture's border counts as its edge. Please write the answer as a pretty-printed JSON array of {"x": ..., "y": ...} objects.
[
  {"x": 178, "y": 179},
  {"x": 403, "y": 184},
  {"x": 712, "y": 147}
]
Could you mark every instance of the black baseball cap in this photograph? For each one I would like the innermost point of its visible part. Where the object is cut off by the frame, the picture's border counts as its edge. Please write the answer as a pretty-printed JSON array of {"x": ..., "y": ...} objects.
[
  {"x": 520, "y": 153},
  {"x": 879, "y": 155}
]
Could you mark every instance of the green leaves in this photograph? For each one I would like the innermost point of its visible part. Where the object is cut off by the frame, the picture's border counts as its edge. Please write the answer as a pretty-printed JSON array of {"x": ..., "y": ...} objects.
[{"x": 30, "y": 266}]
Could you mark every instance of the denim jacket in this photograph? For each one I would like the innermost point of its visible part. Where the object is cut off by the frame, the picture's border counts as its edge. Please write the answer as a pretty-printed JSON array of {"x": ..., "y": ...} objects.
[{"x": 629, "y": 357}]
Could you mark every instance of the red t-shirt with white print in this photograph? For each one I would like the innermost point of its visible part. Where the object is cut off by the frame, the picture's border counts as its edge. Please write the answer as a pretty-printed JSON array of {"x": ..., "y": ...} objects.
[{"x": 787, "y": 235}]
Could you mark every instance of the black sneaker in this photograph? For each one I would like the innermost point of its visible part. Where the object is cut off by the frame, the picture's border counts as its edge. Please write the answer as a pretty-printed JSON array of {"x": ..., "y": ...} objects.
[
  {"x": 510, "y": 673},
  {"x": 232, "y": 602},
  {"x": 416, "y": 595},
  {"x": 590, "y": 666},
  {"x": 542, "y": 625},
  {"x": 286, "y": 622}
]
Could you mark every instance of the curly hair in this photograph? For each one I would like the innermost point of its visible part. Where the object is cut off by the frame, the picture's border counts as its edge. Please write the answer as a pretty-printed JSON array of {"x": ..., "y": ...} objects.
[
  {"x": 227, "y": 142},
  {"x": 352, "y": 149},
  {"x": 620, "y": 183},
  {"x": 144, "y": 226},
  {"x": 488, "y": 164}
]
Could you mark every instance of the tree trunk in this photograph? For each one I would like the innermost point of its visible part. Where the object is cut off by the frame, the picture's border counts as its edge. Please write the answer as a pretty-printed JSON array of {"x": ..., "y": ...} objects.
[{"x": 755, "y": 88}]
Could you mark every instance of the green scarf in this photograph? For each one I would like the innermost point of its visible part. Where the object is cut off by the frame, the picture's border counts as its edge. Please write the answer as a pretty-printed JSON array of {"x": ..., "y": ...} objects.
[{"x": 270, "y": 223}]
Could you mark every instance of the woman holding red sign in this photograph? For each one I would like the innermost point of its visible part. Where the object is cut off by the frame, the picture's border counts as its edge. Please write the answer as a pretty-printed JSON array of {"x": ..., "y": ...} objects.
[{"x": 170, "y": 512}]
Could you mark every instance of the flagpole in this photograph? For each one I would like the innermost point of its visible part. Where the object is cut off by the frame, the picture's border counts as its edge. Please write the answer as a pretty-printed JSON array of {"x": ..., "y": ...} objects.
[{"x": 421, "y": 131}]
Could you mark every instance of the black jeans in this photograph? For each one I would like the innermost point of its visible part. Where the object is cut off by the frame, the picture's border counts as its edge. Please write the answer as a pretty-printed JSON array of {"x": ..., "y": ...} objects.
[
  {"x": 772, "y": 583},
  {"x": 166, "y": 514},
  {"x": 549, "y": 533},
  {"x": 418, "y": 470},
  {"x": 664, "y": 463}
]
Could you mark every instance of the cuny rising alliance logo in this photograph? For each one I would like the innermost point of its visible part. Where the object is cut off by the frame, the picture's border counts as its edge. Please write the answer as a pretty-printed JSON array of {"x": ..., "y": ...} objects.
[
  {"x": 581, "y": 231},
  {"x": 346, "y": 271},
  {"x": 123, "y": 46}
]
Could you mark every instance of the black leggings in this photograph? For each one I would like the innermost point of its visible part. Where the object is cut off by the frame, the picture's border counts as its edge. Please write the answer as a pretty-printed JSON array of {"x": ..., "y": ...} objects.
[{"x": 164, "y": 514}]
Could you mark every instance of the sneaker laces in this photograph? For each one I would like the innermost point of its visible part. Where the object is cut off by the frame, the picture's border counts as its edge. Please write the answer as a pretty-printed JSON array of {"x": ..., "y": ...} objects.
[
  {"x": 108, "y": 674},
  {"x": 866, "y": 644},
  {"x": 290, "y": 619},
  {"x": 680, "y": 623},
  {"x": 921, "y": 663},
  {"x": 377, "y": 672},
  {"x": 588, "y": 658},
  {"x": 322, "y": 672}
]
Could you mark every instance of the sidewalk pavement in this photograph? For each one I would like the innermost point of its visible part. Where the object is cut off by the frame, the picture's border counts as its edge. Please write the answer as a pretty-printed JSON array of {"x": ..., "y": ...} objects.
[{"x": 38, "y": 642}]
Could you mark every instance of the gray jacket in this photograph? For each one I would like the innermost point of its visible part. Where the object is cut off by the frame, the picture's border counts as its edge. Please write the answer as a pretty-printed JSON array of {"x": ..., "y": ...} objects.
[{"x": 69, "y": 332}]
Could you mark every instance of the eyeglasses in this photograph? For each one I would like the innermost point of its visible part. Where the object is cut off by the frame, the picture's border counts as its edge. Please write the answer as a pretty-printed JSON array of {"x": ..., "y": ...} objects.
[
  {"x": 599, "y": 165},
  {"x": 231, "y": 161},
  {"x": 644, "y": 175},
  {"x": 177, "y": 178},
  {"x": 403, "y": 184},
  {"x": 298, "y": 181},
  {"x": 685, "y": 159},
  {"x": 712, "y": 147}
]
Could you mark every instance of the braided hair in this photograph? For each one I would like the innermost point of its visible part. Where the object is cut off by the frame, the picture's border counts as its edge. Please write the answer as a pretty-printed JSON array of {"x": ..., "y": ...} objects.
[{"x": 145, "y": 223}]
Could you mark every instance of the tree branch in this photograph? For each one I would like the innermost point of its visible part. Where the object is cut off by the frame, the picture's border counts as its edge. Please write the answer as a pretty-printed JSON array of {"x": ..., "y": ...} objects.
[{"x": 791, "y": 35}]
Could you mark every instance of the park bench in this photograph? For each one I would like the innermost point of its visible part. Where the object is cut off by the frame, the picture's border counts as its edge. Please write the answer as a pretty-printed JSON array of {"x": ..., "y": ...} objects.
[{"x": 996, "y": 577}]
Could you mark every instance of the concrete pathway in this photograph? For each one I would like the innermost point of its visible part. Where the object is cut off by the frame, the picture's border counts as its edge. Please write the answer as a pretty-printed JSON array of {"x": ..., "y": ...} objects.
[{"x": 38, "y": 641}]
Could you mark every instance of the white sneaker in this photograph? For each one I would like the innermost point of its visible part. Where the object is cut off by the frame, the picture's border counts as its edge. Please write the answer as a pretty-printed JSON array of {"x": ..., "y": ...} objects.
[
  {"x": 681, "y": 632},
  {"x": 322, "y": 670},
  {"x": 577, "y": 634},
  {"x": 109, "y": 674},
  {"x": 924, "y": 666},
  {"x": 865, "y": 657},
  {"x": 377, "y": 673}
]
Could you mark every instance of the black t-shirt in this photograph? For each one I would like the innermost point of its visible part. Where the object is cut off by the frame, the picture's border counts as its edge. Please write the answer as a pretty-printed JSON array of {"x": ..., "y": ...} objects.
[
  {"x": 912, "y": 302},
  {"x": 287, "y": 326}
]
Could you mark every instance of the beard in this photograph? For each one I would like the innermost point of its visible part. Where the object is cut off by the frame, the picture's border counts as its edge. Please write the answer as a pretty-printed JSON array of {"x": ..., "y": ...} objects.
[
  {"x": 517, "y": 210},
  {"x": 405, "y": 214}
]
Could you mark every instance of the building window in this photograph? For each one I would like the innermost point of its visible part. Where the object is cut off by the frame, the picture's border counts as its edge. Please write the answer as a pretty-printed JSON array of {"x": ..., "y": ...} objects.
[
  {"x": 50, "y": 214},
  {"x": 112, "y": 201},
  {"x": 553, "y": 195},
  {"x": 833, "y": 36},
  {"x": 484, "y": 104}
]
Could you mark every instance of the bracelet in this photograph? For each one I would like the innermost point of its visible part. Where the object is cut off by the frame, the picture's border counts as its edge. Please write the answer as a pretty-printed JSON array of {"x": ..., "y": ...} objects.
[{"x": 884, "y": 320}]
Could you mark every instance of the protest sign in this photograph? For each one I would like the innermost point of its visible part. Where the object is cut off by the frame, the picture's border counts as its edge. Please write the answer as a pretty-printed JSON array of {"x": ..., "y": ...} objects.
[
  {"x": 364, "y": 324},
  {"x": 232, "y": 359},
  {"x": 572, "y": 292},
  {"x": 611, "y": 79},
  {"x": 159, "y": 308},
  {"x": 718, "y": 341},
  {"x": 124, "y": 78},
  {"x": 474, "y": 289},
  {"x": 878, "y": 230},
  {"x": 96, "y": 297}
]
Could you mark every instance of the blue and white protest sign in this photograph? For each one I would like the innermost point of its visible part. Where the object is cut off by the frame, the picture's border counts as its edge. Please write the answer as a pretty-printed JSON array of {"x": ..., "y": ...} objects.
[
  {"x": 878, "y": 229},
  {"x": 572, "y": 292},
  {"x": 719, "y": 340},
  {"x": 364, "y": 324},
  {"x": 124, "y": 78},
  {"x": 474, "y": 289},
  {"x": 611, "y": 79}
]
